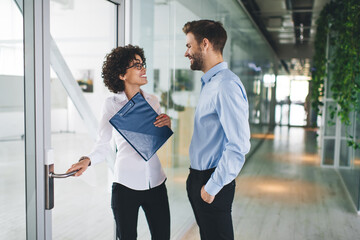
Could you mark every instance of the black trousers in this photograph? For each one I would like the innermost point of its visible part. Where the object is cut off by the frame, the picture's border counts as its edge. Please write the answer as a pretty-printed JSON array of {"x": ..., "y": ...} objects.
[
  {"x": 214, "y": 220},
  {"x": 125, "y": 203}
]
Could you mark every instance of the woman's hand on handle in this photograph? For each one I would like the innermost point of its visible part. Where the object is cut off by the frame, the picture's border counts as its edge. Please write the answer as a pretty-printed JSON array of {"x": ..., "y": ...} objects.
[
  {"x": 82, "y": 165},
  {"x": 163, "y": 120}
]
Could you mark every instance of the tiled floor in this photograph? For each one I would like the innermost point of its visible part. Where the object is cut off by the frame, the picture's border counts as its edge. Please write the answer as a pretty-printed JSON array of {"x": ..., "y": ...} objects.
[{"x": 282, "y": 193}]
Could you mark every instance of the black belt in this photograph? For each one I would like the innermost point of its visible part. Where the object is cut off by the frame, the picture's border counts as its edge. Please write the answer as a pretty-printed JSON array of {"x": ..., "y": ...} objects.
[{"x": 202, "y": 173}]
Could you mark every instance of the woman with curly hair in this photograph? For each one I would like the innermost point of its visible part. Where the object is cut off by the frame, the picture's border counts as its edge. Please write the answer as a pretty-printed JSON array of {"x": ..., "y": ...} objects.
[{"x": 137, "y": 183}]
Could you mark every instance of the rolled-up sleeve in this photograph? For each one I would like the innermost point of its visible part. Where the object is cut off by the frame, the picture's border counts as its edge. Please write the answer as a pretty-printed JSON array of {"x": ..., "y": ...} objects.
[{"x": 232, "y": 108}]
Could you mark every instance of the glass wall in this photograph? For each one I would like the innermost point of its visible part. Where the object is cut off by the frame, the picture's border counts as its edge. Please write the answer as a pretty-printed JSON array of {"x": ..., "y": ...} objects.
[
  {"x": 330, "y": 125},
  {"x": 12, "y": 146},
  {"x": 350, "y": 159},
  {"x": 335, "y": 136},
  {"x": 84, "y": 32},
  {"x": 157, "y": 27},
  {"x": 291, "y": 94}
]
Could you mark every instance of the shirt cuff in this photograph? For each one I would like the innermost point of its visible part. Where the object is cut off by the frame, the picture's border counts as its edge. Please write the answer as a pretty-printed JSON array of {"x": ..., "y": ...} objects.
[
  {"x": 93, "y": 158},
  {"x": 212, "y": 188}
]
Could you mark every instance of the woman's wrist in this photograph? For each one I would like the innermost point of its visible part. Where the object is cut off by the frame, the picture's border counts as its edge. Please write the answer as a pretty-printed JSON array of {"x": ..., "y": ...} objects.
[{"x": 84, "y": 158}]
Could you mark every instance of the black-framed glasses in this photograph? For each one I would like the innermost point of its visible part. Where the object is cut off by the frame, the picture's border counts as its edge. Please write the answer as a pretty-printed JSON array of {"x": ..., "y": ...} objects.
[{"x": 138, "y": 66}]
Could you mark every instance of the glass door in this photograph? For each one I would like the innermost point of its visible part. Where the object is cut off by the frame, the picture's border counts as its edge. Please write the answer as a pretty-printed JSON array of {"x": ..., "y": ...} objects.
[
  {"x": 83, "y": 32},
  {"x": 49, "y": 116},
  {"x": 12, "y": 146}
]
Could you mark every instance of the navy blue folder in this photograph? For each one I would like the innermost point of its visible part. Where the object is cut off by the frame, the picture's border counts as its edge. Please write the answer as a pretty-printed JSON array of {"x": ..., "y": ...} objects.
[{"x": 135, "y": 122}]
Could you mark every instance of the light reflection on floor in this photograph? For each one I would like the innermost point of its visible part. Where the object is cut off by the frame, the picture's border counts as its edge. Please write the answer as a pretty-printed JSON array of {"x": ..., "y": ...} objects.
[
  {"x": 357, "y": 162},
  {"x": 303, "y": 159},
  {"x": 284, "y": 191},
  {"x": 262, "y": 136}
]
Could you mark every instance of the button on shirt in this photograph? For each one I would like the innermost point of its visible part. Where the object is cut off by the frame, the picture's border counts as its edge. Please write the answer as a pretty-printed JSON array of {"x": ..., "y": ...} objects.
[
  {"x": 130, "y": 168},
  {"x": 221, "y": 135}
]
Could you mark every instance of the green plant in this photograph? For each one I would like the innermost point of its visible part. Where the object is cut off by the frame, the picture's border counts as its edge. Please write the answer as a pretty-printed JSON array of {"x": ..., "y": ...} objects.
[{"x": 338, "y": 26}]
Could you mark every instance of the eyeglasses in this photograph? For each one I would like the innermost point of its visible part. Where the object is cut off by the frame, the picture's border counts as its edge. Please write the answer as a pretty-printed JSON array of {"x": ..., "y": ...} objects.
[{"x": 138, "y": 66}]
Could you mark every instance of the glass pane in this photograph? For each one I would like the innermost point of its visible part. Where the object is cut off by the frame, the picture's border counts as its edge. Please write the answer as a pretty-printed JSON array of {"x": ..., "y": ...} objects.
[
  {"x": 297, "y": 115},
  {"x": 357, "y": 138},
  {"x": 84, "y": 31},
  {"x": 330, "y": 126},
  {"x": 299, "y": 91},
  {"x": 157, "y": 27},
  {"x": 357, "y": 126},
  {"x": 330, "y": 79},
  {"x": 348, "y": 130},
  {"x": 328, "y": 152},
  {"x": 357, "y": 159},
  {"x": 283, "y": 100},
  {"x": 12, "y": 147},
  {"x": 345, "y": 154}
]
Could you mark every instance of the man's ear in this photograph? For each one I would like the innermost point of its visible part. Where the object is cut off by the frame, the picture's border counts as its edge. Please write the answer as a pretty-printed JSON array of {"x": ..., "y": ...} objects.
[{"x": 206, "y": 45}]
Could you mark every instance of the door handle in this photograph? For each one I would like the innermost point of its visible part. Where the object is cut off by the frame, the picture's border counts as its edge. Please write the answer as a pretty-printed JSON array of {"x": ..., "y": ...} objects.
[
  {"x": 62, "y": 175},
  {"x": 49, "y": 184}
]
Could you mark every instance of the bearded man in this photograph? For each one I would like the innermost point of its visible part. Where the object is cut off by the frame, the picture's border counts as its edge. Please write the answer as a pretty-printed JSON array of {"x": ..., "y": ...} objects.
[{"x": 221, "y": 135}]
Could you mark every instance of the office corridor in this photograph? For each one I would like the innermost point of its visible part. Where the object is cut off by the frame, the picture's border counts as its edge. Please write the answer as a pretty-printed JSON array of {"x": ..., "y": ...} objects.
[{"x": 282, "y": 193}]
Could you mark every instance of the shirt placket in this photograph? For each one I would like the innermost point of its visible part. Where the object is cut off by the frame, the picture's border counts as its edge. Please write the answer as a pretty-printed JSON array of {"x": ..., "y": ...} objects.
[
  {"x": 202, "y": 85},
  {"x": 147, "y": 174}
]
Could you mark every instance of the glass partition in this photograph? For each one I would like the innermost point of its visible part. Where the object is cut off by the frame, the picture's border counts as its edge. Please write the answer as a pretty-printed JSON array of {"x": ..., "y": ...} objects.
[
  {"x": 12, "y": 146},
  {"x": 329, "y": 152},
  {"x": 157, "y": 27},
  {"x": 84, "y": 32},
  {"x": 330, "y": 127},
  {"x": 335, "y": 148}
]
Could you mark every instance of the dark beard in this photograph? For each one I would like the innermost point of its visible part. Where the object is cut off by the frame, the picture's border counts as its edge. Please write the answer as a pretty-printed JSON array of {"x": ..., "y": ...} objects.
[{"x": 197, "y": 62}]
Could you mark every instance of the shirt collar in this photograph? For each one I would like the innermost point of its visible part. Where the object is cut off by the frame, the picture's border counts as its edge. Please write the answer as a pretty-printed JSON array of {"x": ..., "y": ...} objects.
[
  {"x": 145, "y": 94},
  {"x": 214, "y": 70},
  {"x": 122, "y": 96}
]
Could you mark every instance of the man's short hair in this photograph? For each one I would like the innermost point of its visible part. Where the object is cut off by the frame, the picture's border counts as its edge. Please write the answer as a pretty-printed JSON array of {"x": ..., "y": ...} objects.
[{"x": 212, "y": 30}]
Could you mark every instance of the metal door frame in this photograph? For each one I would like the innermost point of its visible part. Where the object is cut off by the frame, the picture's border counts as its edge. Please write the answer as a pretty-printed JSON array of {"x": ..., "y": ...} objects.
[{"x": 38, "y": 153}]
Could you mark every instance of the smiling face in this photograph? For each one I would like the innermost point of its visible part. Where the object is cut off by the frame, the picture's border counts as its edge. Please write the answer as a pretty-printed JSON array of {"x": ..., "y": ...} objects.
[
  {"x": 135, "y": 77},
  {"x": 194, "y": 53}
]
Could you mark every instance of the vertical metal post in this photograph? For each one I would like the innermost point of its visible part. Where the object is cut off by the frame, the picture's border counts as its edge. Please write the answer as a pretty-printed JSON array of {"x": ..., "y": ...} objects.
[
  {"x": 324, "y": 113},
  {"x": 37, "y": 102},
  {"x": 272, "y": 121},
  {"x": 337, "y": 141}
]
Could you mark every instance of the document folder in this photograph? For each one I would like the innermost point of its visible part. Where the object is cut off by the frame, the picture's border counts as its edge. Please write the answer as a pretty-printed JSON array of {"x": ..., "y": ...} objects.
[{"x": 135, "y": 122}]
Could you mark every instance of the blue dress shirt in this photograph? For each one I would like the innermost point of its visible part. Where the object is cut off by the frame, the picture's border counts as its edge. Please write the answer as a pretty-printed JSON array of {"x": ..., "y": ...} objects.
[{"x": 221, "y": 135}]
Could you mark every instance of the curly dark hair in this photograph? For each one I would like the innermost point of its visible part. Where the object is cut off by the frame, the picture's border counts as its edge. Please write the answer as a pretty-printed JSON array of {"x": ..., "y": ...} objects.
[{"x": 116, "y": 64}]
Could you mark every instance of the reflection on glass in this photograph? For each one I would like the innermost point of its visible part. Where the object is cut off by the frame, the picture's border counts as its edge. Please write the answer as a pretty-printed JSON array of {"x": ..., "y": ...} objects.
[
  {"x": 157, "y": 27},
  {"x": 12, "y": 147},
  {"x": 330, "y": 78},
  {"x": 345, "y": 153},
  {"x": 84, "y": 31},
  {"x": 357, "y": 138},
  {"x": 357, "y": 126},
  {"x": 328, "y": 152},
  {"x": 330, "y": 118},
  {"x": 291, "y": 94},
  {"x": 348, "y": 130},
  {"x": 357, "y": 159}
]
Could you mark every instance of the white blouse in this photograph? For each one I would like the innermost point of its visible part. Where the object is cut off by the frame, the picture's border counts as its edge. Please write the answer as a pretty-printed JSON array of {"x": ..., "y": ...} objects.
[{"x": 130, "y": 168}]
